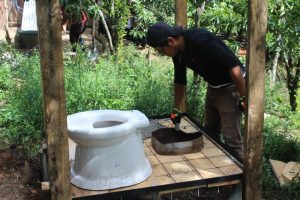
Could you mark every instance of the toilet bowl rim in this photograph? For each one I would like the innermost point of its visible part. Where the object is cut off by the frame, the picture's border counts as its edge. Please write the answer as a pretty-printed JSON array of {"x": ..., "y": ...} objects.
[
  {"x": 109, "y": 133},
  {"x": 91, "y": 133}
]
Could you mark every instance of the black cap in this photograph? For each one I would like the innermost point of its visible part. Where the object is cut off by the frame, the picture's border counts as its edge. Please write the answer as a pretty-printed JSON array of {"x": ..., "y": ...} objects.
[{"x": 159, "y": 32}]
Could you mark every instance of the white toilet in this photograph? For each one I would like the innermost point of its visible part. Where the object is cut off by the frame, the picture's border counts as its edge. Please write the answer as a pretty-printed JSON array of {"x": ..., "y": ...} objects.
[{"x": 109, "y": 152}]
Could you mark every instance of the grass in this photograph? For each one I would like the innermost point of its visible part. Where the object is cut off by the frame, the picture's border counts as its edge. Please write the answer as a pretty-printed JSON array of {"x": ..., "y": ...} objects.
[{"x": 127, "y": 82}]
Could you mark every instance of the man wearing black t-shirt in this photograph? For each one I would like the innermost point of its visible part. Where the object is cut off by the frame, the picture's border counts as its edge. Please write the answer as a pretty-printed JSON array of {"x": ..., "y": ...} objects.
[{"x": 208, "y": 56}]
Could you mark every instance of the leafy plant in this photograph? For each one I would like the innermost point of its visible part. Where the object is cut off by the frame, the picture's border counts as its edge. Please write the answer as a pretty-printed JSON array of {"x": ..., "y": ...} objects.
[
  {"x": 283, "y": 18},
  {"x": 225, "y": 17},
  {"x": 147, "y": 12}
]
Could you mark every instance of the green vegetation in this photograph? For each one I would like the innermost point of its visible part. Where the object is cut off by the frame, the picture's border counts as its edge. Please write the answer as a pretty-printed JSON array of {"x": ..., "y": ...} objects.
[
  {"x": 128, "y": 80},
  {"x": 133, "y": 83}
]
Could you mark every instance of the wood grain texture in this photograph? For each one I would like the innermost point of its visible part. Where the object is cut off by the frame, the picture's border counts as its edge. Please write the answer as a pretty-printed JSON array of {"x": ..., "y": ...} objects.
[
  {"x": 51, "y": 59},
  {"x": 181, "y": 13},
  {"x": 172, "y": 169},
  {"x": 277, "y": 168},
  {"x": 255, "y": 81},
  {"x": 291, "y": 171}
]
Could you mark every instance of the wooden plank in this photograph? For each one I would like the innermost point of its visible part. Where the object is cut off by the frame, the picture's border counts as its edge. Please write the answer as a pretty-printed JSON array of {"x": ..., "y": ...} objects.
[
  {"x": 211, "y": 152},
  {"x": 187, "y": 126},
  {"x": 150, "y": 182},
  {"x": 208, "y": 144},
  {"x": 159, "y": 170},
  {"x": 78, "y": 192},
  {"x": 210, "y": 173},
  {"x": 230, "y": 170},
  {"x": 224, "y": 183},
  {"x": 182, "y": 189},
  {"x": 221, "y": 161},
  {"x": 170, "y": 170},
  {"x": 177, "y": 167},
  {"x": 147, "y": 142},
  {"x": 255, "y": 80},
  {"x": 201, "y": 164},
  {"x": 169, "y": 159},
  {"x": 187, "y": 176},
  {"x": 147, "y": 151},
  {"x": 277, "y": 167},
  {"x": 291, "y": 171},
  {"x": 153, "y": 160},
  {"x": 192, "y": 156},
  {"x": 51, "y": 58}
]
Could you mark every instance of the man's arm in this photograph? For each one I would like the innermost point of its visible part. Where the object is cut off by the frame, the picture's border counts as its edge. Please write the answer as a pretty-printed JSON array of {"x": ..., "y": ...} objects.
[
  {"x": 180, "y": 96},
  {"x": 238, "y": 79}
]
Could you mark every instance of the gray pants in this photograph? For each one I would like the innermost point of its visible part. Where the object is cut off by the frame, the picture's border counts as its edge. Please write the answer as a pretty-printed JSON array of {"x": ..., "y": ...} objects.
[{"x": 222, "y": 115}]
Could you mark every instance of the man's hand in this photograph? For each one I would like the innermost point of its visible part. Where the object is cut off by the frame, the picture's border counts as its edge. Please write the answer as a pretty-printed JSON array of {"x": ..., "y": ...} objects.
[{"x": 176, "y": 116}]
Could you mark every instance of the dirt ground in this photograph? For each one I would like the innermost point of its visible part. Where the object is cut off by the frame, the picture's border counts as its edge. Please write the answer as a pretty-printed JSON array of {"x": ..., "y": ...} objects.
[{"x": 20, "y": 175}]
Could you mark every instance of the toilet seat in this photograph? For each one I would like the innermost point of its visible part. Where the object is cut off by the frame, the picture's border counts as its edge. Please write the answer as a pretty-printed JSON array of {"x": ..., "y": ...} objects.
[{"x": 80, "y": 125}]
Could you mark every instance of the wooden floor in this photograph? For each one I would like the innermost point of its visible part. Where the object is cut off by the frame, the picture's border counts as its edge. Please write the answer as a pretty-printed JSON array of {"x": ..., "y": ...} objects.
[{"x": 179, "y": 172}]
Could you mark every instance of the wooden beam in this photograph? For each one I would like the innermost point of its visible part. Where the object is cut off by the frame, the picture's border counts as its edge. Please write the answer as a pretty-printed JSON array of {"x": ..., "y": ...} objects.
[
  {"x": 51, "y": 59},
  {"x": 181, "y": 13},
  {"x": 181, "y": 20},
  {"x": 253, "y": 139}
]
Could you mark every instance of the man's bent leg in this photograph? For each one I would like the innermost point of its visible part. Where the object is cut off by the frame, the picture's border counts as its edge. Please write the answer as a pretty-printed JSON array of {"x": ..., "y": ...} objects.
[
  {"x": 231, "y": 132},
  {"x": 227, "y": 104},
  {"x": 212, "y": 118}
]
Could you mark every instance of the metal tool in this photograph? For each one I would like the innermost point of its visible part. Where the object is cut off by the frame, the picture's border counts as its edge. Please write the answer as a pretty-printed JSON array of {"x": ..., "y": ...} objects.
[{"x": 176, "y": 116}]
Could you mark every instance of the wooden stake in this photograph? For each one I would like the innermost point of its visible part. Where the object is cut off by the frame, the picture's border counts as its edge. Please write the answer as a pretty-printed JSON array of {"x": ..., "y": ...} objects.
[
  {"x": 180, "y": 20},
  {"x": 253, "y": 139},
  {"x": 181, "y": 13},
  {"x": 49, "y": 31}
]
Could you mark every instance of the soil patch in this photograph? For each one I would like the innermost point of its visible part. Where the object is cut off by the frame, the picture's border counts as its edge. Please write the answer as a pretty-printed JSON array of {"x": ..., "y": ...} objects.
[{"x": 19, "y": 175}]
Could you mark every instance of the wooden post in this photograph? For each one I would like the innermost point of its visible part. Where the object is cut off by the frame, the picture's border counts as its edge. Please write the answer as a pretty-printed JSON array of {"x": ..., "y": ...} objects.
[
  {"x": 49, "y": 31},
  {"x": 181, "y": 13},
  {"x": 253, "y": 139},
  {"x": 181, "y": 20}
]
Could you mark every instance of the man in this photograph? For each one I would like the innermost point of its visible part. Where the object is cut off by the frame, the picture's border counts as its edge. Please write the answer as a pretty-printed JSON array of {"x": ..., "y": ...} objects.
[
  {"x": 208, "y": 56},
  {"x": 77, "y": 24}
]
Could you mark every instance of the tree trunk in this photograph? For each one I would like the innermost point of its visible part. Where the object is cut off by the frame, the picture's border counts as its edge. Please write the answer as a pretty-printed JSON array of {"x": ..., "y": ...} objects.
[
  {"x": 181, "y": 20},
  {"x": 255, "y": 82},
  {"x": 274, "y": 67},
  {"x": 105, "y": 26},
  {"x": 275, "y": 63},
  {"x": 199, "y": 12},
  {"x": 107, "y": 31},
  {"x": 51, "y": 59},
  {"x": 7, "y": 37},
  {"x": 181, "y": 12},
  {"x": 292, "y": 80}
]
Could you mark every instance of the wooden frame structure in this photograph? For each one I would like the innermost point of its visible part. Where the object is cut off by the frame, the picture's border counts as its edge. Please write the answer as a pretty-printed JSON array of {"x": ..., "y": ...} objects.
[
  {"x": 213, "y": 166},
  {"x": 49, "y": 28}
]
